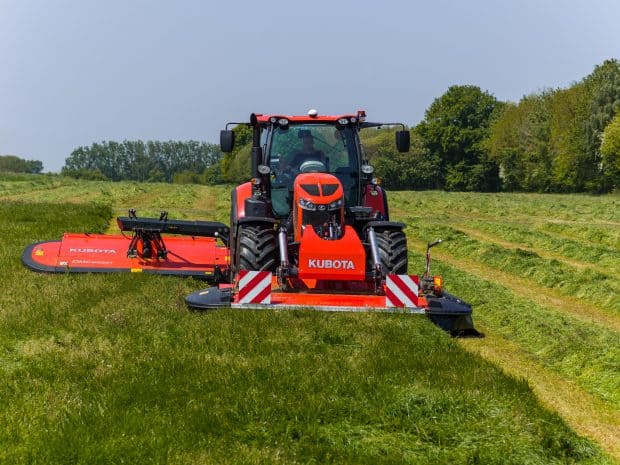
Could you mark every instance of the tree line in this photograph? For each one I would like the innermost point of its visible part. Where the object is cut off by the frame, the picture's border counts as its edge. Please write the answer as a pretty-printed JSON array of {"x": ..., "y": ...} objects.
[
  {"x": 15, "y": 164},
  {"x": 151, "y": 161},
  {"x": 556, "y": 140},
  {"x": 560, "y": 140}
]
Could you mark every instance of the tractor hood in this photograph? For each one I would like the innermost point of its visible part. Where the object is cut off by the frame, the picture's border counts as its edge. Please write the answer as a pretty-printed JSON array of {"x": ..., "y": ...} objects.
[
  {"x": 319, "y": 188},
  {"x": 319, "y": 204}
]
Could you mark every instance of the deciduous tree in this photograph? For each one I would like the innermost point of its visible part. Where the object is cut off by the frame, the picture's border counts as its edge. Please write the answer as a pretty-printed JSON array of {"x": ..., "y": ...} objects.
[
  {"x": 610, "y": 151},
  {"x": 454, "y": 127}
]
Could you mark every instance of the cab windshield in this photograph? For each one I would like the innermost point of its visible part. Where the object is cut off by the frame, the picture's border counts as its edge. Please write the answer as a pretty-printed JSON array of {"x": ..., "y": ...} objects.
[{"x": 311, "y": 147}]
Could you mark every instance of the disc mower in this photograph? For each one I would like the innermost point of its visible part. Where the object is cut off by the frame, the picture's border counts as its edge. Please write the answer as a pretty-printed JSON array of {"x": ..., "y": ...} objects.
[{"x": 311, "y": 229}]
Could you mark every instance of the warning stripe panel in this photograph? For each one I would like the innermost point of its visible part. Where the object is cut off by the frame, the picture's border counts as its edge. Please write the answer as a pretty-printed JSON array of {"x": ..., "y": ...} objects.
[
  {"x": 254, "y": 287},
  {"x": 392, "y": 300},
  {"x": 401, "y": 291}
]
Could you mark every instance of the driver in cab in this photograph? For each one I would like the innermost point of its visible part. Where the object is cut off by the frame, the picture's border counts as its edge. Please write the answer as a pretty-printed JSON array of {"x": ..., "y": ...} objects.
[{"x": 308, "y": 152}]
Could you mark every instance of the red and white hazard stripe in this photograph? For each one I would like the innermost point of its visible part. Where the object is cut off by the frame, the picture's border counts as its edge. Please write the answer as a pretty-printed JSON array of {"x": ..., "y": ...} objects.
[
  {"x": 254, "y": 287},
  {"x": 401, "y": 290}
]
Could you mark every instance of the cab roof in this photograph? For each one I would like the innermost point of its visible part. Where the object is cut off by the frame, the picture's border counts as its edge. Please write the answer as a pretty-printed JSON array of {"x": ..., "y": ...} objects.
[{"x": 360, "y": 115}]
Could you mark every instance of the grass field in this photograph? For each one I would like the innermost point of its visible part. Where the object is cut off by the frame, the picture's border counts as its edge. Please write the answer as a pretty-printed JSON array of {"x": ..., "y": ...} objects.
[{"x": 115, "y": 369}]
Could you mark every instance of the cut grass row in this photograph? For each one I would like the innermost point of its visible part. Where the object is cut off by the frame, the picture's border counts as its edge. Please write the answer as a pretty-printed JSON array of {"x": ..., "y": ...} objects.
[
  {"x": 608, "y": 236},
  {"x": 581, "y": 351},
  {"x": 573, "y": 209},
  {"x": 111, "y": 369},
  {"x": 603, "y": 256},
  {"x": 588, "y": 414},
  {"x": 590, "y": 287},
  {"x": 575, "y": 351},
  {"x": 560, "y": 310},
  {"x": 586, "y": 353}
]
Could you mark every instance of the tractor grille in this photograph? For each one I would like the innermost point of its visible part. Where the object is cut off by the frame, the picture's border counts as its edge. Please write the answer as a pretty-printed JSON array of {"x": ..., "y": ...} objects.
[{"x": 316, "y": 218}]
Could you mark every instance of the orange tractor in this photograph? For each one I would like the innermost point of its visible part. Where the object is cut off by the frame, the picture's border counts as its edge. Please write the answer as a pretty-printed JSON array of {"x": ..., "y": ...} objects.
[{"x": 311, "y": 229}]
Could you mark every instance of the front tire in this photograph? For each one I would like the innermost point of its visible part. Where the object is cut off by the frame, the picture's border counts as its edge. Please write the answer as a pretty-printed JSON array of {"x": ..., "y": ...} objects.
[
  {"x": 256, "y": 247},
  {"x": 392, "y": 244}
]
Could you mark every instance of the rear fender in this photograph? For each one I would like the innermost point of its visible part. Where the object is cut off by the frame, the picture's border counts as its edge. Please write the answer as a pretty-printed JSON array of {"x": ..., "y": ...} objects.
[
  {"x": 238, "y": 198},
  {"x": 393, "y": 225},
  {"x": 237, "y": 211},
  {"x": 375, "y": 197}
]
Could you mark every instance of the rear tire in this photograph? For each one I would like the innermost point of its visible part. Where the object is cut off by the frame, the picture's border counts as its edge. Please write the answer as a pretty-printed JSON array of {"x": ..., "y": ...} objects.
[
  {"x": 392, "y": 244},
  {"x": 256, "y": 247}
]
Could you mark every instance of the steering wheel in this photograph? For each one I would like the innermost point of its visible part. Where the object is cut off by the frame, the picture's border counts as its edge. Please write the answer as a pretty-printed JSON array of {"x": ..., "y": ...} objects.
[{"x": 312, "y": 166}]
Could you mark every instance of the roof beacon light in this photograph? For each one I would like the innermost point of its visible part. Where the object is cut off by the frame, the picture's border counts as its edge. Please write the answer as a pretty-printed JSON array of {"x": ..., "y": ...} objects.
[{"x": 312, "y": 113}]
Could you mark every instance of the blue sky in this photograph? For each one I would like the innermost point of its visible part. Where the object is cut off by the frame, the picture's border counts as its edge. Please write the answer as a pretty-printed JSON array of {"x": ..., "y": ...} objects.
[{"x": 74, "y": 72}]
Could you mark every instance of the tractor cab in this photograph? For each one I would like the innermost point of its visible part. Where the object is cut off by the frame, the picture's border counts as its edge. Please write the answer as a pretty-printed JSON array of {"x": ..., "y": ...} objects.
[{"x": 285, "y": 146}]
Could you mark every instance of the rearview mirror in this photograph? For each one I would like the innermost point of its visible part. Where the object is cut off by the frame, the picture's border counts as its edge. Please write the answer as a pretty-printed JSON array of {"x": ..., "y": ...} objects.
[
  {"x": 227, "y": 141},
  {"x": 403, "y": 141}
]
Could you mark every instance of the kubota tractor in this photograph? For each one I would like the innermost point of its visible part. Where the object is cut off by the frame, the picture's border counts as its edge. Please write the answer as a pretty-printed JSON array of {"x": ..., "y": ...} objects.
[
  {"x": 313, "y": 213},
  {"x": 311, "y": 229}
]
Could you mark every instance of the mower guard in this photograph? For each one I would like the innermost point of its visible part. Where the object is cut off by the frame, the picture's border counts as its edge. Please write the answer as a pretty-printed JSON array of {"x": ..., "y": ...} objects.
[{"x": 448, "y": 312}]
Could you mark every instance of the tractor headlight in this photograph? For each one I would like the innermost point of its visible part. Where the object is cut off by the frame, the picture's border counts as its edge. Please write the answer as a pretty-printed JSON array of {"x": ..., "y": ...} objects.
[
  {"x": 336, "y": 204},
  {"x": 307, "y": 204},
  {"x": 279, "y": 120}
]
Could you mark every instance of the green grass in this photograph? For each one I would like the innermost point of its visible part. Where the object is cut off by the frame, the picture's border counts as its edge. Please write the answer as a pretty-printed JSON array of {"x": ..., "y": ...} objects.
[
  {"x": 606, "y": 235},
  {"x": 585, "y": 353},
  {"x": 237, "y": 387},
  {"x": 593, "y": 287},
  {"x": 594, "y": 251},
  {"x": 115, "y": 369}
]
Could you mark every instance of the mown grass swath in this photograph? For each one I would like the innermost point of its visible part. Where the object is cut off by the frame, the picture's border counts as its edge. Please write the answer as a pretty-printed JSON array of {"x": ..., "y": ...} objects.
[
  {"x": 585, "y": 353},
  {"x": 595, "y": 288},
  {"x": 605, "y": 234},
  {"x": 113, "y": 369},
  {"x": 525, "y": 264},
  {"x": 591, "y": 251}
]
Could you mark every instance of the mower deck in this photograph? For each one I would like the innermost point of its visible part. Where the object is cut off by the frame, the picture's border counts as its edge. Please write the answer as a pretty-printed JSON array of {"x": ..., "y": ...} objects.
[{"x": 100, "y": 253}]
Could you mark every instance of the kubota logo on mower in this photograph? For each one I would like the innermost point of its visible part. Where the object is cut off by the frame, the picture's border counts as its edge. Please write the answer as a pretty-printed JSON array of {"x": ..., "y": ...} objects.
[
  {"x": 327, "y": 264},
  {"x": 90, "y": 250}
]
